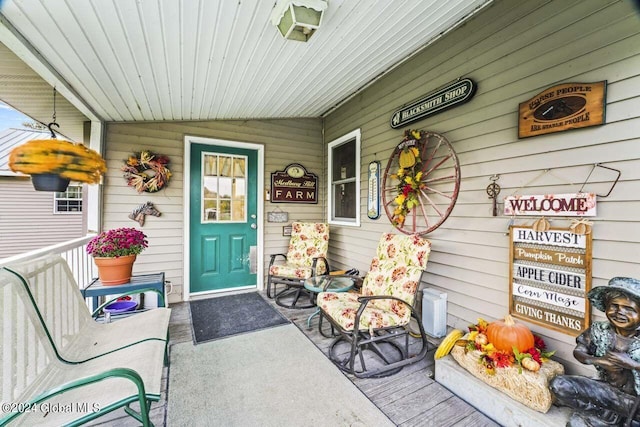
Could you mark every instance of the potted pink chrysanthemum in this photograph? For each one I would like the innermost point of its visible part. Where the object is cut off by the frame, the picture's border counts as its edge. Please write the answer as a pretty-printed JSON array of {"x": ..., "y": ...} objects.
[{"x": 114, "y": 252}]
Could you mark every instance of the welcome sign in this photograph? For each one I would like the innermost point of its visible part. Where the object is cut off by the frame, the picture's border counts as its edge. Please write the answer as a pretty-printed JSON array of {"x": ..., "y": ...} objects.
[
  {"x": 581, "y": 204},
  {"x": 550, "y": 276}
]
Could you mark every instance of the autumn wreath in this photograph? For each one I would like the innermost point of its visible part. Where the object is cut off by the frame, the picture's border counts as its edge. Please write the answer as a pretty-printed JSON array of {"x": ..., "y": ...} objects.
[
  {"x": 409, "y": 175},
  {"x": 147, "y": 171}
]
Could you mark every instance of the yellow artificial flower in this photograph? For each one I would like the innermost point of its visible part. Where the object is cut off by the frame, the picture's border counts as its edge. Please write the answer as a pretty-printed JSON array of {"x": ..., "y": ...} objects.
[
  {"x": 408, "y": 180},
  {"x": 419, "y": 176},
  {"x": 400, "y": 172},
  {"x": 400, "y": 199},
  {"x": 482, "y": 323},
  {"x": 415, "y": 134},
  {"x": 415, "y": 151},
  {"x": 489, "y": 348}
]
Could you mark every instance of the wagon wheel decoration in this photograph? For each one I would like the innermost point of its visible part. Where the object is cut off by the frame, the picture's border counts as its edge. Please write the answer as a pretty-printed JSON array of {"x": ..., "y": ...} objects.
[{"x": 421, "y": 182}]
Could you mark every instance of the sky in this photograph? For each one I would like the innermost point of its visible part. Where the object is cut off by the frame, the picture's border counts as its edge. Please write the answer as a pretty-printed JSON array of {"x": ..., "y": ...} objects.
[{"x": 10, "y": 118}]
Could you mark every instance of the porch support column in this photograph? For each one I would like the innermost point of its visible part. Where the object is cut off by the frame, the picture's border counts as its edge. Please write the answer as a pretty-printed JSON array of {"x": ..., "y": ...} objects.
[{"x": 93, "y": 209}]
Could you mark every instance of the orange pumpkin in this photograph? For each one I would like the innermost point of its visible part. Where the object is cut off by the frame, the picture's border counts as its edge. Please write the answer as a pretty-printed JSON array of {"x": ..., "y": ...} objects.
[{"x": 506, "y": 334}]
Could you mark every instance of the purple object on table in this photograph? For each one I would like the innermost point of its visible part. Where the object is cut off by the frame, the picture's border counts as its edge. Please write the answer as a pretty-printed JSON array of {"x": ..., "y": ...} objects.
[{"x": 120, "y": 307}]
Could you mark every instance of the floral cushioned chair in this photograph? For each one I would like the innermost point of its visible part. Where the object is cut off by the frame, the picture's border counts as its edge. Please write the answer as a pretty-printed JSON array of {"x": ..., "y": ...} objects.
[
  {"x": 306, "y": 257},
  {"x": 377, "y": 319}
]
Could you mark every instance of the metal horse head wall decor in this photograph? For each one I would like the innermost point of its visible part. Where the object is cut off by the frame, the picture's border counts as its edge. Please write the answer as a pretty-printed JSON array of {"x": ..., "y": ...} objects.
[{"x": 139, "y": 213}]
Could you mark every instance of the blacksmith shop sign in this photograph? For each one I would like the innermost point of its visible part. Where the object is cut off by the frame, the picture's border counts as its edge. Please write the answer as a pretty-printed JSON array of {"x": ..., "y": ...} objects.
[
  {"x": 550, "y": 277},
  {"x": 452, "y": 94},
  {"x": 563, "y": 107},
  {"x": 294, "y": 185}
]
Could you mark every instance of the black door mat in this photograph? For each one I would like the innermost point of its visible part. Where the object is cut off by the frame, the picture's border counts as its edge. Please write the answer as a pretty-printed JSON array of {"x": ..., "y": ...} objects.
[{"x": 220, "y": 317}]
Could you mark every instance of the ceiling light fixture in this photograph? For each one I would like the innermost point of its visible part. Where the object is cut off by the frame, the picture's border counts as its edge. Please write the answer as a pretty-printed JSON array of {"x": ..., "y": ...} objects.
[{"x": 298, "y": 19}]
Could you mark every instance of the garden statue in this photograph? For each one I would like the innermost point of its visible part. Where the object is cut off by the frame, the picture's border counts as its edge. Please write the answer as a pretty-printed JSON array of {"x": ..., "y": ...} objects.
[{"x": 613, "y": 348}]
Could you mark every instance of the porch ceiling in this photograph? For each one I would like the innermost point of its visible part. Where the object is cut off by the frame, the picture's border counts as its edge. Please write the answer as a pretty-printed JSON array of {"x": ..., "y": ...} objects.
[{"x": 126, "y": 60}]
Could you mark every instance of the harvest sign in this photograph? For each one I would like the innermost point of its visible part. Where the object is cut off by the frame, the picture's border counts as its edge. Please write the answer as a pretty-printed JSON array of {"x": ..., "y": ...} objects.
[{"x": 550, "y": 277}]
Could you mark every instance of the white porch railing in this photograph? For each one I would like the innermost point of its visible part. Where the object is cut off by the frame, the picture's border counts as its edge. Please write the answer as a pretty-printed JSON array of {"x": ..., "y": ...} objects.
[{"x": 73, "y": 251}]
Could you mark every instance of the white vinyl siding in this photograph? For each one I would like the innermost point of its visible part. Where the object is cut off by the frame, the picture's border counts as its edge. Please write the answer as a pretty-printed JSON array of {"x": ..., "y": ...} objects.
[
  {"x": 286, "y": 141},
  {"x": 27, "y": 221},
  {"x": 512, "y": 50}
]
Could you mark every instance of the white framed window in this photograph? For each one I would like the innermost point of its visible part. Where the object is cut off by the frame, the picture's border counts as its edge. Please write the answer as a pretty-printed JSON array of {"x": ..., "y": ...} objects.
[
  {"x": 344, "y": 180},
  {"x": 68, "y": 202}
]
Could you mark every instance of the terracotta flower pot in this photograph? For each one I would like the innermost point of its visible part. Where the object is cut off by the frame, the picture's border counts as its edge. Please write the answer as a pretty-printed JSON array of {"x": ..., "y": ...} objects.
[{"x": 115, "y": 271}]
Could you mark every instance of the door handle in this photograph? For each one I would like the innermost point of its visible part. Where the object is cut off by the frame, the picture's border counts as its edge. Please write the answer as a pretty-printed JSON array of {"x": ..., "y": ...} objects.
[{"x": 254, "y": 226}]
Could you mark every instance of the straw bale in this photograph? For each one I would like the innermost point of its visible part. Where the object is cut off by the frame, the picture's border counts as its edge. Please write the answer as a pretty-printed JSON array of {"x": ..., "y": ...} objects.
[{"x": 529, "y": 388}]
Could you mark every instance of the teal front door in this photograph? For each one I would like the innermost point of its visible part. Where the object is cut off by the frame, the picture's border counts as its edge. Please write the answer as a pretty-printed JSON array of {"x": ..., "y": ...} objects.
[{"x": 222, "y": 218}]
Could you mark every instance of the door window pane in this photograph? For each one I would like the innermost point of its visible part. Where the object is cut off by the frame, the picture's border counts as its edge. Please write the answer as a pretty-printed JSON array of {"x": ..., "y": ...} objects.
[
  {"x": 239, "y": 169},
  {"x": 238, "y": 198},
  {"x": 224, "y": 191}
]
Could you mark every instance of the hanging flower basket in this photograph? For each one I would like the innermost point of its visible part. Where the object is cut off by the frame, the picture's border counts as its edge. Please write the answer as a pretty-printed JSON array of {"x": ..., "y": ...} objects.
[
  {"x": 57, "y": 157},
  {"x": 49, "y": 182}
]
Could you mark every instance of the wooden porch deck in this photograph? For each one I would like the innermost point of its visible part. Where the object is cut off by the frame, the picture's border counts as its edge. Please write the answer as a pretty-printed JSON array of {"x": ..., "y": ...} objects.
[{"x": 410, "y": 398}]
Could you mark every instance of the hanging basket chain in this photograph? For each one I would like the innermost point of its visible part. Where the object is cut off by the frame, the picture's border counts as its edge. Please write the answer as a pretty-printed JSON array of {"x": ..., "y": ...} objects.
[{"x": 53, "y": 123}]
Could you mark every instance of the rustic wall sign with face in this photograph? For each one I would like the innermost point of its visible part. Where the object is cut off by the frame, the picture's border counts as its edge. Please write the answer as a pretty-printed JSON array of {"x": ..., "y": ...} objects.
[{"x": 563, "y": 107}]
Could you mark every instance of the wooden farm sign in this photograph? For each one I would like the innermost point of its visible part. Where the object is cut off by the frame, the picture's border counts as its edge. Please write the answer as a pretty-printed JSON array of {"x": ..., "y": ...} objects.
[
  {"x": 434, "y": 102},
  {"x": 550, "y": 276},
  {"x": 581, "y": 204},
  {"x": 294, "y": 185},
  {"x": 563, "y": 107}
]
